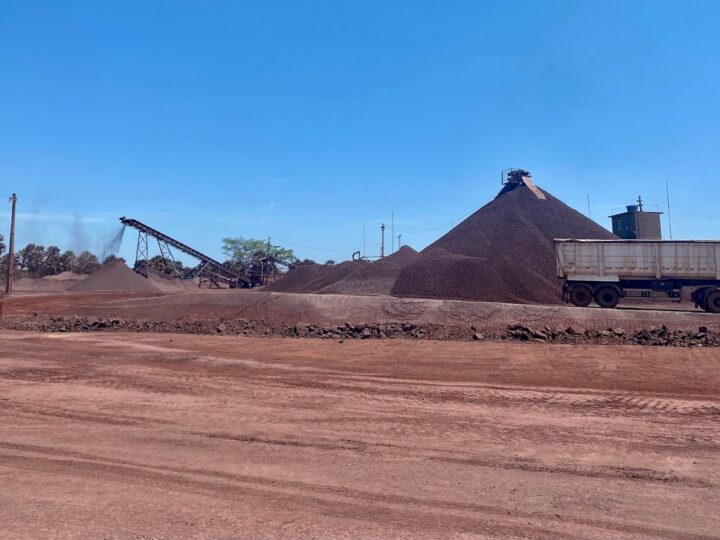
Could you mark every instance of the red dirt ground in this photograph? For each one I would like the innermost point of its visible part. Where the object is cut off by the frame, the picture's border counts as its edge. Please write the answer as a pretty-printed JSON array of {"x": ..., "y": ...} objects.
[{"x": 177, "y": 436}]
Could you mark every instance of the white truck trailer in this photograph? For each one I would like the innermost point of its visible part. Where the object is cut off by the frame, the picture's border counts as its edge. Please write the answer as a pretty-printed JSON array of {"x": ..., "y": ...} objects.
[{"x": 607, "y": 270}]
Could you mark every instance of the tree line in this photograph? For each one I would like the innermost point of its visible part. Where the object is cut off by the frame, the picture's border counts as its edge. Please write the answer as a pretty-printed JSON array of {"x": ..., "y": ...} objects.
[{"x": 38, "y": 261}]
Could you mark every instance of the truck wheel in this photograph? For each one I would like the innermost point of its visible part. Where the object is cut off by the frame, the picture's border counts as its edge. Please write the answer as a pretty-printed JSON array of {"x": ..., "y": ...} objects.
[
  {"x": 712, "y": 302},
  {"x": 607, "y": 297},
  {"x": 699, "y": 298},
  {"x": 581, "y": 295}
]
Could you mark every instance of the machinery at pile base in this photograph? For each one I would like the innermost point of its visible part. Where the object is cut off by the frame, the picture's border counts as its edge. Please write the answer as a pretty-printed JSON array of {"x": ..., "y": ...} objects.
[
  {"x": 262, "y": 269},
  {"x": 607, "y": 270}
]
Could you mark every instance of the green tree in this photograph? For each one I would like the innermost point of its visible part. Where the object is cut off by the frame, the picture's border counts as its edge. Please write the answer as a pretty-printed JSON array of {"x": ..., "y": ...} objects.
[
  {"x": 111, "y": 259},
  {"x": 4, "y": 265},
  {"x": 68, "y": 261},
  {"x": 52, "y": 265},
  {"x": 166, "y": 266},
  {"x": 32, "y": 259},
  {"x": 87, "y": 263},
  {"x": 241, "y": 250}
]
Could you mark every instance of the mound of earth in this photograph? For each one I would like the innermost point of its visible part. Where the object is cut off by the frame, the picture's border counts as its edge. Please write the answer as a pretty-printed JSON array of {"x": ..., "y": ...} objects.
[
  {"x": 115, "y": 276},
  {"x": 170, "y": 283},
  {"x": 60, "y": 282},
  {"x": 312, "y": 278},
  {"x": 504, "y": 252},
  {"x": 376, "y": 277}
]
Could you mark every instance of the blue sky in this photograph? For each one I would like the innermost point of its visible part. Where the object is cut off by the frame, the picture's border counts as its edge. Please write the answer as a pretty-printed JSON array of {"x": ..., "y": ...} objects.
[{"x": 302, "y": 120}]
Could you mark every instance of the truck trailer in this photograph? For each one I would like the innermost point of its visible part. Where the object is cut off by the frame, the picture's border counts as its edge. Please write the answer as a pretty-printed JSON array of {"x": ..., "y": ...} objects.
[{"x": 608, "y": 270}]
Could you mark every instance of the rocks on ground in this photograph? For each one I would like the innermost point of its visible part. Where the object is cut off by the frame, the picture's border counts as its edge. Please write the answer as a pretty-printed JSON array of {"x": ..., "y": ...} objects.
[{"x": 652, "y": 336}]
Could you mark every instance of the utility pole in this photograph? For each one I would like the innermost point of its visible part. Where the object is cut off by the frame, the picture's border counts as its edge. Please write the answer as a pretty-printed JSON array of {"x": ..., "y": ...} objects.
[
  {"x": 589, "y": 212},
  {"x": 382, "y": 240},
  {"x": 267, "y": 261},
  {"x": 11, "y": 253},
  {"x": 399, "y": 241},
  {"x": 392, "y": 230},
  {"x": 667, "y": 192},
  {"x": 363, "y": 240}
]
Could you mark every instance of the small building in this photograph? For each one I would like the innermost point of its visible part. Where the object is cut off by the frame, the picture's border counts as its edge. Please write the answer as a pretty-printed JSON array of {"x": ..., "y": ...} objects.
[{"x": 636, "y": 224}]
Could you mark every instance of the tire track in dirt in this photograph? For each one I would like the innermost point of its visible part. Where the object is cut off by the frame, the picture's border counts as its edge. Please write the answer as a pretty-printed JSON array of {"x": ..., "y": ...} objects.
[
  {"x": 620, "y": 403},
  {"x": 353, "y": 503}
]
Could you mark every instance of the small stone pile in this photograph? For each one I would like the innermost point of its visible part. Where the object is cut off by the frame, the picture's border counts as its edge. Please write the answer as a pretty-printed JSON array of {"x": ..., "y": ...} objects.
[{"x": 655, "y": 335}]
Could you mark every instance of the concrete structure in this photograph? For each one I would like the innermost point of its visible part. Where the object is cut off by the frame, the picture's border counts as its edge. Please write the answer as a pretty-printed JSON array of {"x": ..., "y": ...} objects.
[{"x": 636, "y": 224}]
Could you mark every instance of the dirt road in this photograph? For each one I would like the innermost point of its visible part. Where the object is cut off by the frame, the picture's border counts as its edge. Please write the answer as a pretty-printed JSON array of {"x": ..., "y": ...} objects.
[{"x": 166, "y": 436}]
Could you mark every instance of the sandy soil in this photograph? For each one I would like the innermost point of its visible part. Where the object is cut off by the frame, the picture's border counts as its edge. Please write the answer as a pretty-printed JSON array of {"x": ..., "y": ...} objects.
[{"x": 174, "y": 436}]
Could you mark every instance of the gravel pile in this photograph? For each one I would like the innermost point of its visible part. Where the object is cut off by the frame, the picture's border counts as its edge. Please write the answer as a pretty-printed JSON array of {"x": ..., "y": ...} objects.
[
  {"x": 504, "y": 252},
  {"x": 313, "y": 278},
  {"x": 349, "y": 277},
  {"x": 56, "y": 283},
  {"x": 115, "y": 276},
  {"x": 375, "y": 278}
]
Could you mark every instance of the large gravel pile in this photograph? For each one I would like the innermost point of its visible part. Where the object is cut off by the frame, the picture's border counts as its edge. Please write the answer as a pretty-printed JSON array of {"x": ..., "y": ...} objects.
[
  {"x": 115, "y": 276},
  {"x": 504, "y": 252}
]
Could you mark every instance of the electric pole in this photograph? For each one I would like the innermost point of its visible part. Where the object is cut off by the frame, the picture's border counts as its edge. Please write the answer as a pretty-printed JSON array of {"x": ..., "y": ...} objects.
[
  {"x": 382, "y": 240},
  {"x": 363, "y": 240},
  {"x": 589, "y": 212},
  {"x": 11, "y": 252},
  {"x": 667, "y": 192},
  {"x": 392, "y": 230}
]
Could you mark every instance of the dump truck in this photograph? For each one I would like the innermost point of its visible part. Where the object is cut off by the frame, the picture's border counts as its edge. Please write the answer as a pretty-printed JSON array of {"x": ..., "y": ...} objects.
[{"x": 608, "y": 270}]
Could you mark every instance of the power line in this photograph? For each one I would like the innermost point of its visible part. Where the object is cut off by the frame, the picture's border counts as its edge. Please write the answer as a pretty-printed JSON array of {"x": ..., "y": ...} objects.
[
  {"x": 409, "y": 230},
  {"x": 688, "y": 210},
  {"x": 336, "y": 250}
]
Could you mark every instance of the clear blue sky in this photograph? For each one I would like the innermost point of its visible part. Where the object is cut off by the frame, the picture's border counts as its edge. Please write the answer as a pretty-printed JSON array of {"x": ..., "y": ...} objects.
[{"x": 302, "y": 119}]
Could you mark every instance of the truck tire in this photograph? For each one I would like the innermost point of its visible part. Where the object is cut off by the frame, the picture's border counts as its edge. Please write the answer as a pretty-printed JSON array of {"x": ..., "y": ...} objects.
[
  {"x": 581, "y": 295},
  {"x": 699, "y": 297},
  {"x": 607, "y": 297},
  {"x": 712, "y": 302}
]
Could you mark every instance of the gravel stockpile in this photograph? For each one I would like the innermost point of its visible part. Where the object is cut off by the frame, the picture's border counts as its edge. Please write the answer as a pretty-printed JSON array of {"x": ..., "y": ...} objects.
[
  {"x": 313, "y": 278},
  {"x": 349, "y": 277},
  {"x": 504, "y": 252},
  {"x": 56, "y": 283},
  {"x": 377, "y": 277},
  {"x": 115, "y": 276},
  {"x": 169, "y": 283}
]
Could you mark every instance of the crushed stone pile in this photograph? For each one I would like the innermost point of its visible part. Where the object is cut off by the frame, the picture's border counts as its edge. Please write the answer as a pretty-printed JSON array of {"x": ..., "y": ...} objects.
[
  {"x": 350, "y": 277},
  {"x": 313, "y": 278},
  {"x": 116, "y": 276},
  {"x": 57, "y": 283},
  {"x": 170, "y": 283},
  {"x": 504, "y": 252},
  {"x": 376, "y": 278}
]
